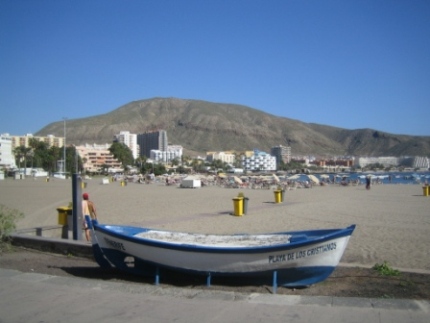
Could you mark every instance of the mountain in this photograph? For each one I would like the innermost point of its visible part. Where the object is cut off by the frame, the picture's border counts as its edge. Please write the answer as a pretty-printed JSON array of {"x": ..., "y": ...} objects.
[{"x": 201, "y": 126}]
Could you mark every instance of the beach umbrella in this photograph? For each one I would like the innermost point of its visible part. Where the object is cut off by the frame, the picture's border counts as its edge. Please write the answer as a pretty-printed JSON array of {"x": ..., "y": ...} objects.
[
  {"x": 294, "y": 177},
  {"x": 237, "y": 180},
  {"x": 382, "y": 176},
  {"x": 324, "y": 176},
  {"x": 314, "y": 179},
  {"x": 275, "y": 178}
]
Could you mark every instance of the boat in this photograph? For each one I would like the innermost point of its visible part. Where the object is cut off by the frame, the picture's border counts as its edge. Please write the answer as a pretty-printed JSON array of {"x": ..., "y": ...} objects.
[
  {"x": 292, "y": 259},
  {"x": 60, "y": 175}
]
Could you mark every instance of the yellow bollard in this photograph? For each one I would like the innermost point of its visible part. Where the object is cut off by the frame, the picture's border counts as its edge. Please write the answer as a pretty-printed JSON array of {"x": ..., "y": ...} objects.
[
  {"x": 238, "y": 206},
  {"x": 278, "y": 196},
  {"x": 282, "y": 195},
  {"x": 244, "y": 202},
  {"x": 426, "y": 190}
]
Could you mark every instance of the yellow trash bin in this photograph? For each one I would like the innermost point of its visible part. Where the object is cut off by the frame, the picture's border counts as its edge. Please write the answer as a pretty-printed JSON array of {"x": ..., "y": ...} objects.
[
  {"x": 63, "y": 211},
  {"x": 238, "y": 206},
  {"x": 426, "y": 190},
  {"x": 278, "y": 196},
  {"x": 84, "y": 184}
]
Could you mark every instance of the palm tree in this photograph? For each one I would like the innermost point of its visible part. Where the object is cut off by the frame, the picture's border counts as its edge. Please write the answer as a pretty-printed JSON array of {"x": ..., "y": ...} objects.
[
  {"x": 238, "y": 159},
  {"x": 186, "y": 159},
  {"x": 21, "y": 153},
  {"x": 54, "y": 155}
]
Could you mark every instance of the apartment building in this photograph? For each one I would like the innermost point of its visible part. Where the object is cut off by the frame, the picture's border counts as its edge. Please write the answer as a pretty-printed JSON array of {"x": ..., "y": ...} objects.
[
  {"x": 259, "y": 161},
  {"x": 155, "y": 140},
  {"x": 130, "y": 140},
  {"x": 7, "y": 159},
  {"x": 50, "y": 140},
  {"x": 172, "y": 152},
  {"x": 385, "y": 161},
  {"x": 421, "y": 162},
  {"x": 227, "y": 157},
  {"x": 95, "y": 157},
  {"x": 282, "y": 153}
]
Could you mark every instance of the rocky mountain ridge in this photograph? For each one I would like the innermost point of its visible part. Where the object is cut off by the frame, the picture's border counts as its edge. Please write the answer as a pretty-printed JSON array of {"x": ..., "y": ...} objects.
[{"x": 201, "y": 126}]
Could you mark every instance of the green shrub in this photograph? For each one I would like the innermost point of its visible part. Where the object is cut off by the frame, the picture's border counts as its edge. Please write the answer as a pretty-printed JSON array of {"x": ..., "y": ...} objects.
[
  {"x": 8, "y": 218},
  {"x": 385, "y": 269}
]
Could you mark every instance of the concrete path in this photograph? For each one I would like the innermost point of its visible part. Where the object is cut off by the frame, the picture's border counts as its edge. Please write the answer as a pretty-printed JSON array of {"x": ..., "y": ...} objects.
[{"x": 31, "y": 297}]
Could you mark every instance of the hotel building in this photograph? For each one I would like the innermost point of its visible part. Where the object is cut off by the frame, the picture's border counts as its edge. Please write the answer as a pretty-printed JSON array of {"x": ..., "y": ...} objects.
[{"x": 95, "y": 157}]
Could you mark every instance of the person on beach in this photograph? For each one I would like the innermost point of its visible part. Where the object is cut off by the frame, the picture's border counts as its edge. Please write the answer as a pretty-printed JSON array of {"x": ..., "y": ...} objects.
[
  {"x": 368, "y": 183},
  {"x": 88, "y": 208}
]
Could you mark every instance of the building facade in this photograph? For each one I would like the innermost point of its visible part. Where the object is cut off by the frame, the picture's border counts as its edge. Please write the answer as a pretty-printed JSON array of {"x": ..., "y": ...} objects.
[
  {"x": 95, "y": 157},
  {"x": 50, "y": 140},
  {"x": 226, "y": 157},
  {"x": 172, "y": 152},
  {"x": 130, "y": 140},
  {"x": 282, "y": 153},
  {"x": 7, "y": 158},
  {"x": 156, "y": 140},
  {"x": 421, "y": 162},
  {"x": 385, "y": 161},
  {"x": 259, "y": 161}
]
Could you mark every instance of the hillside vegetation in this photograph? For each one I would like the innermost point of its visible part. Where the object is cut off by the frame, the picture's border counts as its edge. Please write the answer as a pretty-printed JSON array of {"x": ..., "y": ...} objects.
[{"x": 201, "y": 126}]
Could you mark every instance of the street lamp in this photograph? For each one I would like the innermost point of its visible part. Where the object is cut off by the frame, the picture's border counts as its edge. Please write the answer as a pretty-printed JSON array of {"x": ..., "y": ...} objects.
[{"x": 64, "y": 148}]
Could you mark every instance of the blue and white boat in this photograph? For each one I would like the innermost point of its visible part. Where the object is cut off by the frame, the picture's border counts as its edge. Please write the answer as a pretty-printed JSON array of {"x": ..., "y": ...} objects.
[{"x": 293, "y": 259}]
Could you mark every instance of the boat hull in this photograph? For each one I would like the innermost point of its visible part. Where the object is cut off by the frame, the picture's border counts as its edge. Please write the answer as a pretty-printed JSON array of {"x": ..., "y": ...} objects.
[{"x": 307, "y": 258}]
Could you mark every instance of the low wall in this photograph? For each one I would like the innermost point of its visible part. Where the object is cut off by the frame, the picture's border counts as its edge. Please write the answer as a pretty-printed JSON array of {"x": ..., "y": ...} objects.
[
  {"x": 53, "y": 231},
  {"x": 54, "y": 245}
]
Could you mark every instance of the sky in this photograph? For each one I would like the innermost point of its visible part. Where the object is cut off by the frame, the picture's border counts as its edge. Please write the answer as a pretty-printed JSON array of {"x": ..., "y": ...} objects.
[{"x": 348, "y": 64}]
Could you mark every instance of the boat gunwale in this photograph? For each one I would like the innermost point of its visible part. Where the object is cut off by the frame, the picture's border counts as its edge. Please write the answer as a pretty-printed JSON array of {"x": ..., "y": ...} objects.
[{"x": 321, "y": 235}]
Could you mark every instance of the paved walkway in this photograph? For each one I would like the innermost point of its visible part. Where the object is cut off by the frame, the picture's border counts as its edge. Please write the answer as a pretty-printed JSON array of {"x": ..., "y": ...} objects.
[{"x": 31, "y": 297}]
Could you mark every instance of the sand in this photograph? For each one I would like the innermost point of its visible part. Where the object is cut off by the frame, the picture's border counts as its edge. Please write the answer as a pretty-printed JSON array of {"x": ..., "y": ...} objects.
[{"x": 393, "y": 221}]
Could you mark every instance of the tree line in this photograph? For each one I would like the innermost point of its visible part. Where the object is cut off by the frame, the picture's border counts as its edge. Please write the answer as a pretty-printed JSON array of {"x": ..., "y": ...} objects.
[{"x": 39, "y": 155}]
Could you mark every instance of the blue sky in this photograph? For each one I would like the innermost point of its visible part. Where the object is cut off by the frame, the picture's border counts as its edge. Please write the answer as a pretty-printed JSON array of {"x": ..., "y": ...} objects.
[{"x": 349, "y": 64}]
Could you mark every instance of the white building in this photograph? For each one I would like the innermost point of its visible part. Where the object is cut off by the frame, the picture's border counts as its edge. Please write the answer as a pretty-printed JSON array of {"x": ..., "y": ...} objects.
[
  {"x": 7, "y": 159},
  {"x": 385, "y": 161},
  {"x": 259, "y": 161},
  {"x": 172, "y": 152},
  {"x": 130, "y": 140},
  {"x": 421, "y": 162}
]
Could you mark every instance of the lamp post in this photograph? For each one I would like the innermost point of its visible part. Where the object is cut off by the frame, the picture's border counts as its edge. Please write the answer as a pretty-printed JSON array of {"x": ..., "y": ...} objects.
[{"x": 64, "y": 148}]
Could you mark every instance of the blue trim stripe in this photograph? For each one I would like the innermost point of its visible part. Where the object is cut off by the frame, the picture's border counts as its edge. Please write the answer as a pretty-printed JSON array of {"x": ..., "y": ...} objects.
[{"x": 299, "y": 239}]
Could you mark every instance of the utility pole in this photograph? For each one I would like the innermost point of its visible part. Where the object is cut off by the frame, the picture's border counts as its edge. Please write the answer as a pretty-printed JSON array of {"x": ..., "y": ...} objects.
[{"x": 64, "y": 148}]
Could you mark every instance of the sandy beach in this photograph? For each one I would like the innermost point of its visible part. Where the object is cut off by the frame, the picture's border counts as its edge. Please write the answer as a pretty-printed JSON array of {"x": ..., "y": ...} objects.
[{"x": 393, "y": 221}]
